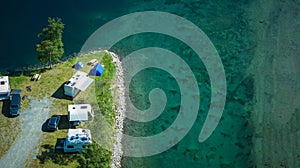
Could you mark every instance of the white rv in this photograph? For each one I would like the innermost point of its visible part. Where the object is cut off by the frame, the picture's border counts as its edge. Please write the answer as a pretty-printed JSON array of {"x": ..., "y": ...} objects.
[
  {"x": 78, "y": 113},
  {"x": 4, "y": 88},
  {"x": 79, "y": 82},
  {"x": 77, "y": 140}
]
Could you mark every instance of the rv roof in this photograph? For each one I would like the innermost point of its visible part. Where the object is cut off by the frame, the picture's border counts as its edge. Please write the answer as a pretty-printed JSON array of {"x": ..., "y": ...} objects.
[
  {"x": 78, "y": 136},
  {"x": 80, "y": 80},
  {"x": 4, "y": 84}
]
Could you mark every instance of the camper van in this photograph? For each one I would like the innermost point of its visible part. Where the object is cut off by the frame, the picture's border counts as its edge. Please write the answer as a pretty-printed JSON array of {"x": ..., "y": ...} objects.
[
  {"x": 77, "y": 140},
  {"x": 15, "y": 103},
  {"x": 78, "y": 82},
  {"x": 4, "y": 88}
]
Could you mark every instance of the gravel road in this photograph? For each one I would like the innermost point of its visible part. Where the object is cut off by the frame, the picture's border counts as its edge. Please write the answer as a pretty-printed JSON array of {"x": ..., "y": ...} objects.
[{"x": 31, "y": 122}]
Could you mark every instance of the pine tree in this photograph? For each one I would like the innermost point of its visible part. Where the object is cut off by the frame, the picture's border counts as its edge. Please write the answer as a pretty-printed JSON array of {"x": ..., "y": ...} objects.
[{"x": 50, "y": 49}]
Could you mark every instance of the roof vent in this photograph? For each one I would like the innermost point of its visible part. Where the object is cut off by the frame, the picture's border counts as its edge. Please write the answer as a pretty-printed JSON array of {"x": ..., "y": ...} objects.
[{"x": 83, "y": 107}]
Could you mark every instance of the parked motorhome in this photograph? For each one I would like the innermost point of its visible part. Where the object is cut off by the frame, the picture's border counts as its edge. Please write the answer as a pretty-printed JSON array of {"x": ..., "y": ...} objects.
[
  {"x": 4, "y": 88},
  {"x": 77, "y": 140},
  {"x": 78, "y": 82}
]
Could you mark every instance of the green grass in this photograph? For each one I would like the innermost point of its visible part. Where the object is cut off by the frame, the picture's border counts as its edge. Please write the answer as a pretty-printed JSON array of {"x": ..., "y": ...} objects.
[
  {"x": 51, "y": 80},
  {"x": 103, "y": 90},
  {"x": 10, "y": 128}
]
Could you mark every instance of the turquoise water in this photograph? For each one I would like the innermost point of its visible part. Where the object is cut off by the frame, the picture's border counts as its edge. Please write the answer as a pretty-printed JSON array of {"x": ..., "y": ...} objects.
[
  {"x": 230, "y": 144},
  {"x": 225, "y": 23}
]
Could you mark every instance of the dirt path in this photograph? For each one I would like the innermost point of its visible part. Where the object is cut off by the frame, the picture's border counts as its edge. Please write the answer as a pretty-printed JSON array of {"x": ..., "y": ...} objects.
[
  {"x": 31, "y": 121},
  {"x": 277, "y": 83}
]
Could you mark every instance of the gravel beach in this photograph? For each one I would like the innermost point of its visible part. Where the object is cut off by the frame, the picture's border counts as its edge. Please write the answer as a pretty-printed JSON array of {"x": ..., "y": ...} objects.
[{"x": 120, "y": 104}]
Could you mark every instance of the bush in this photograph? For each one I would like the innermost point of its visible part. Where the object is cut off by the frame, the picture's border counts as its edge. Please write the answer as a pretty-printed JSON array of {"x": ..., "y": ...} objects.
[{"x": 94, "y": 157}]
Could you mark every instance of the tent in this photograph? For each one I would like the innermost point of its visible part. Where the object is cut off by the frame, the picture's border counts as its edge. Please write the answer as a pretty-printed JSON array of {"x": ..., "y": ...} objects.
[
  {"x": 97, "y": 70},
  {"x": 78, "y": 65}
]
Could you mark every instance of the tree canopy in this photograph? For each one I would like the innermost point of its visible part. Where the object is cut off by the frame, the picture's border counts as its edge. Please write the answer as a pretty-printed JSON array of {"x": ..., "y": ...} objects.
[
  {"x": 94, "y": 156},
  {"x": 50, "y": 48}
]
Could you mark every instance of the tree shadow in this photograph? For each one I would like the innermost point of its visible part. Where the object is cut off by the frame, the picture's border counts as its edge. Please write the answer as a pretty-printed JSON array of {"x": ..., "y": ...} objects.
[
  {"x": 59, "y": 93},
  {"x": 5, "y": 109},
  {"x": 57, "y": 156}
]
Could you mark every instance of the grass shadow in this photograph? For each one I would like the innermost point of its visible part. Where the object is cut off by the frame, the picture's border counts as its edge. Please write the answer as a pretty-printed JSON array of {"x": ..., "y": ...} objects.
[
  {"x": 64, "y": 122},
  {"x": 59, "y": 93},
  {"x": 57, "y": 156}
]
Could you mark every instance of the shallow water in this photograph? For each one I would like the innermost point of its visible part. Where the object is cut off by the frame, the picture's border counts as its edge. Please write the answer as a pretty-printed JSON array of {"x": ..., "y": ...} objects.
[{"x": 231, "y": 143}]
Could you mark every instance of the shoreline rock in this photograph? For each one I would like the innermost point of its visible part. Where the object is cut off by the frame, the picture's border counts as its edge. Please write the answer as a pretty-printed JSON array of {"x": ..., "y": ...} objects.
[{"x": 120, "y": 107}]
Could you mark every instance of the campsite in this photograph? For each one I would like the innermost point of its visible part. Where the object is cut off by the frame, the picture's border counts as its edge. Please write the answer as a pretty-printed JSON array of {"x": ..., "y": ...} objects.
[{"x": 50, "y": 88}]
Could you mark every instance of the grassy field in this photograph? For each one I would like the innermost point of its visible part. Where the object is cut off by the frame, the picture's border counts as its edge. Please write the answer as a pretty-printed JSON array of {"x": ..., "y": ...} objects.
[{"x": 50, "y": 85}]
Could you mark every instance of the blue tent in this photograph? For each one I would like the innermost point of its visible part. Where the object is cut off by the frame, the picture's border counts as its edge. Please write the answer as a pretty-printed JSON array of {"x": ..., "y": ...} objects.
[
  {"x": 78, "y": 65},
  {"x": 97, "y": 70}
]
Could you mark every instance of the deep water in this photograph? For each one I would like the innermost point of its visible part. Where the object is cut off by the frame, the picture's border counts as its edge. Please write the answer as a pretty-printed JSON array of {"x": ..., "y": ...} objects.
[
  {"x": 21, "y": 21},
  {"x": 224, "y": 22}
]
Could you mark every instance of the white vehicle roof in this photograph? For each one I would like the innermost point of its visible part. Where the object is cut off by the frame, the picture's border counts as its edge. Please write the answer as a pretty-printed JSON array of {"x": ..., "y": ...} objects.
[
  {"x": 4, "y": 84},
  {"x": 79, "y": 112},
  {"x": 79, "y": 136},
  {"x": 80, "y": 80}
]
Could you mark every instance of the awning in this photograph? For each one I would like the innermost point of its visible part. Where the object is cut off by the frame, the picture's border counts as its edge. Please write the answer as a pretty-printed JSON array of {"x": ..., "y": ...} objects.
[
  {"x": 83, "y": 83},
  {"x": 79, "y": 112},
  {"x": 78, "y": 116}
]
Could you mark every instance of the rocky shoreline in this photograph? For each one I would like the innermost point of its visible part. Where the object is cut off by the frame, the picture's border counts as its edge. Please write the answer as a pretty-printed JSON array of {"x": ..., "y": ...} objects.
[{"x": 120, "y": 108}]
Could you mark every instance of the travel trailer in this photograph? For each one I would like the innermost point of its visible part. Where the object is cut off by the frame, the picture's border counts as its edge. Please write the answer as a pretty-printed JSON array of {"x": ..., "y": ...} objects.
[
  {"x": 77, "y": 140},
  {"x": 79, "y": 82},
  {"x": 4, "y": 88},
  {"x": 78, "y": 113}
]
